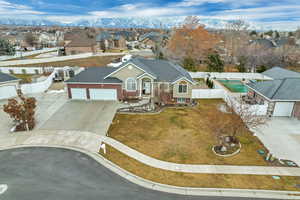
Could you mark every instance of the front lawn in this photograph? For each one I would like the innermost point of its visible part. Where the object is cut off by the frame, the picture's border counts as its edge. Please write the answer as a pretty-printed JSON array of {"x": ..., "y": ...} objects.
[
  {"x": 181, "y": 135},
  {"x": 200, "y": 180}
]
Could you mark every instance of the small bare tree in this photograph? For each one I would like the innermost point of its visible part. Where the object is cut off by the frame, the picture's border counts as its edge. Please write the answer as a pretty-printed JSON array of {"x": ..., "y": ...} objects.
[
  {"x": 238, "y": 118},
  {"x": 243, "y": 114},
  {"x": 21, "y": 110}
]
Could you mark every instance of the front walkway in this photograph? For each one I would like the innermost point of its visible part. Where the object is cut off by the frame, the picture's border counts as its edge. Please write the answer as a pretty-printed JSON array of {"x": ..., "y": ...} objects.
[
  {"x": 282, "y": 137},
  {"x": 91, "y": 142}
]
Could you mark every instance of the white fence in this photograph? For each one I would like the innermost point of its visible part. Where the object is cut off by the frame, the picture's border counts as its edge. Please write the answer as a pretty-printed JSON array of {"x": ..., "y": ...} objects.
[
  {"x": 231, "y": 99},
  {"x": 25, "y": 70},
  {"x": 27, "y": 53},
  {"x": 230, "y": 75},
  {"x": 38, "y": 87},
  {"x": 237, "y": 106},
  {"x": 55, "y": 59},
  {"x": 207, "y": 93}
]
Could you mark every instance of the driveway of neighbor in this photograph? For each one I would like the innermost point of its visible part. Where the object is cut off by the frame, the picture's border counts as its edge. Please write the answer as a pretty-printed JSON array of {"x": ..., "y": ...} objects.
[
  {"x": 282, "y": 137},
  {"x": 92, "y": 116},
  {"x": 47, "y": 104}
]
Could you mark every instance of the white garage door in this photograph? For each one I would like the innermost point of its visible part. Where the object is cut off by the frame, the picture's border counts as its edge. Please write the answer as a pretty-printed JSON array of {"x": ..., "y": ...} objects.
[
  {"x": 283, "y": 109},
  {"x": 103, "y": 94},
  {"x": 7, "y": 91},
  {"x": 78, "y": 93}
]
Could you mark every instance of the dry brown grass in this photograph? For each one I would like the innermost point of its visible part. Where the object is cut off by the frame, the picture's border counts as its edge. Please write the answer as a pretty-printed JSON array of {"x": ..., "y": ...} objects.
[
  {"x": 181, "y": 135},
  {"x": 94, "y": 61},
  {"x": 200, "y": 180}
]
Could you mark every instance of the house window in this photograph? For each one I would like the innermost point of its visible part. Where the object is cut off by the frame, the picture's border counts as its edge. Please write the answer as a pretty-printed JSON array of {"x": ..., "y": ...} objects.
[
  {"x": 131, "y": 84},
  {"x": 182, "y": 88},
  {"x": 36, "y": 71},
  {"x": 181, "y": 100}
]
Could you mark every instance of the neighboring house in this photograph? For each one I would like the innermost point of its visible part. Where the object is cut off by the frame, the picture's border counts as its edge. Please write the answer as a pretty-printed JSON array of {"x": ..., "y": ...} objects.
[
  {"x": 263, "y": 43},
  {"x": 160, "y": 80},
  {"x": 47, "y": 39},
  {"x": 108, "y": 40},
  {"x": 8, "y": 86},
  {"x": 149, "y": 40},
  {"x": 80, "y": 45},
  {"x": 282, "y": 93}
]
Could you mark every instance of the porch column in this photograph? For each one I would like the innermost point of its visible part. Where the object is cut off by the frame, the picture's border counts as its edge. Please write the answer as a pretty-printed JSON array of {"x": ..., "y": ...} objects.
[
  {"x": 140, "y": 81},
  {"x": 152, "y": 88}
]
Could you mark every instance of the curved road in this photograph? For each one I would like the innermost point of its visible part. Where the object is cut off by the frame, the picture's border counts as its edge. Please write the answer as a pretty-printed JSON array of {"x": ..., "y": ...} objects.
[{"x": 41, "y": 173}]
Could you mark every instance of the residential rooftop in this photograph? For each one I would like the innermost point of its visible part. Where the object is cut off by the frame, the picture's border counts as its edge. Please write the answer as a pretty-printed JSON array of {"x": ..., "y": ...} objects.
[
  {"x": 6, "y": 78},
  {"x": 281, "y": 73},
  {"x": 278, "y": 89}
]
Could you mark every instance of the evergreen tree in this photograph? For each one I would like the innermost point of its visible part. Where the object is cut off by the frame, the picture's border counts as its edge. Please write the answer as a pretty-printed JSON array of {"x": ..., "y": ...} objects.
[
  {"x": 241, "y": 67},
  {"x": 215, "y": 64},
  {"x": 6, "y": 48},
  {"x": 189, "y": 64}
]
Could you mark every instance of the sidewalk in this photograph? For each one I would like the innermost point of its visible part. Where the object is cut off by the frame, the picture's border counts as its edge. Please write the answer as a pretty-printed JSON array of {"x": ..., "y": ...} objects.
[{"x": 91, "y": 142}]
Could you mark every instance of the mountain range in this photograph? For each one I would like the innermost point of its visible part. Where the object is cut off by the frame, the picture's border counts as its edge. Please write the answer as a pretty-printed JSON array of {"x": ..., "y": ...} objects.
[{"x": 126, "y": 22}]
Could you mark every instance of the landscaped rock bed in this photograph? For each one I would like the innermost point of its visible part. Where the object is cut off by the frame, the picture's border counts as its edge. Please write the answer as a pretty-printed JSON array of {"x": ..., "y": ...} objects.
[{"x": 230, "y": 147}]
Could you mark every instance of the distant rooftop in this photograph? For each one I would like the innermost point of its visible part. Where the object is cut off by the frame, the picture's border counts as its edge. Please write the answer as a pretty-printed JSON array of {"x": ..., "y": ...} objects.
[{"x": 7, "y": 78}]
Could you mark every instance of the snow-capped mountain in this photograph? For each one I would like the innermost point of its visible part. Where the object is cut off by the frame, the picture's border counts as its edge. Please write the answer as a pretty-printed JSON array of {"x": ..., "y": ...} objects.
[{"x": 126, "y": 22}]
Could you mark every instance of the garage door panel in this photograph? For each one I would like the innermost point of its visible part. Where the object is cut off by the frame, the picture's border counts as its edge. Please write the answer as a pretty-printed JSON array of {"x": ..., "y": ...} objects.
[
  {"x": 103, "y": 94},
  {"x": 283, "y": 109},
  {"x": 7, "y": 91},
  {"x": 78, "y": 93}
]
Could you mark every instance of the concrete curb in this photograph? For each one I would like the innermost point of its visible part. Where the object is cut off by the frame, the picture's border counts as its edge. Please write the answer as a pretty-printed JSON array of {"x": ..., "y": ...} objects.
[{"x": 224, "y": 192}]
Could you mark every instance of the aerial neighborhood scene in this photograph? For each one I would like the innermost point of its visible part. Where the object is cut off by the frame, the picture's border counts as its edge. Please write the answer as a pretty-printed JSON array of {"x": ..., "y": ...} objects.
[{"x": 143, "y": 100}]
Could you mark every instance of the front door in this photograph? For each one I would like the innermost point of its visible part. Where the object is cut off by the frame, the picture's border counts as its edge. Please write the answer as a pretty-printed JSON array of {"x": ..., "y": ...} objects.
[{"x": 147, "y": 87}]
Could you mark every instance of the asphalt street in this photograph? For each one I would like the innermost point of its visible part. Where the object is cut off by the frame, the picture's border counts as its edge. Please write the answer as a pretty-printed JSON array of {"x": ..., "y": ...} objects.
[{"x": 41, "y": 173}]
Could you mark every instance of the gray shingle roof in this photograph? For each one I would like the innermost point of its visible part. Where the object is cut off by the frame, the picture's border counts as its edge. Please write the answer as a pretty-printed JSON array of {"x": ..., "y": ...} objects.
[
  {"x": 163, "y": 70},
  {"x": 280, "y": 73},
  {"x": 95, "y": 75},
  {"x": 264, "y": 43},
  {"x": 7, "y": 77},
  {"x": 279, "y": 89}
]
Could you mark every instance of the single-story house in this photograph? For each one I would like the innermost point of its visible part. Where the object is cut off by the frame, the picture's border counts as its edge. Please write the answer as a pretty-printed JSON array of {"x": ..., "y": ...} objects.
[
  {"x": 282, "y": 93},
  {"x": 137, "y": 78},
  {"x": 8, "y": 86}
]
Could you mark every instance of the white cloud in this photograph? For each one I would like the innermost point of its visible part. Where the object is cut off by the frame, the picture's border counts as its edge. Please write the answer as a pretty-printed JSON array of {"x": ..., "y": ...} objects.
[
  {"x": 7, "y": 8},
  {"x": 189, "y": 3},
  {"x": 140, "y": 10},
  {"x": 261, "y": 13}
]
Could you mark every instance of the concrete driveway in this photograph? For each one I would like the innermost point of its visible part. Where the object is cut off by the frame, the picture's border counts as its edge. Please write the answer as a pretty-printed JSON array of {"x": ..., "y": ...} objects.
[
  {"x": 92, "y": 116},
  {"x": 282, "y": 137},
  {"x": 47, "y": 104}
]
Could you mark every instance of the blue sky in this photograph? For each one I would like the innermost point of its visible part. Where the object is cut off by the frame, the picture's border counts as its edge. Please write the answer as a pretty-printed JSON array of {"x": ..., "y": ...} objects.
[{"x": 278, "y": 13}]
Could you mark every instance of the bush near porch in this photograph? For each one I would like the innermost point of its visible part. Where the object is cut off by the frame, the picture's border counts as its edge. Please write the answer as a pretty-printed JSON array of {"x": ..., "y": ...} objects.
[{"x": 181, "y": 135}]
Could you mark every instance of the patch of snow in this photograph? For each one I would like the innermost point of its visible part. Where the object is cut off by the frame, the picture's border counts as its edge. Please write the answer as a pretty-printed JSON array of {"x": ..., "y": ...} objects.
[{"x": 3, "y": 188}]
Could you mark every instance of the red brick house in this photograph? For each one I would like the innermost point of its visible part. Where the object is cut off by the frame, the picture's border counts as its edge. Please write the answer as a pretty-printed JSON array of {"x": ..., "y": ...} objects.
[{"x": 136, "y": 78}]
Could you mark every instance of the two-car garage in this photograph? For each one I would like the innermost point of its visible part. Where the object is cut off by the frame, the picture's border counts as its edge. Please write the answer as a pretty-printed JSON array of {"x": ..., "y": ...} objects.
[{"x": 104, "y": 94}]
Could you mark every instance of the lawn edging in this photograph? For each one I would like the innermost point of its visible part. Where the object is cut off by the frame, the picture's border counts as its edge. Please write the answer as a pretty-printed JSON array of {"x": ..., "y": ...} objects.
[{"x": 224, "y": 192}]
